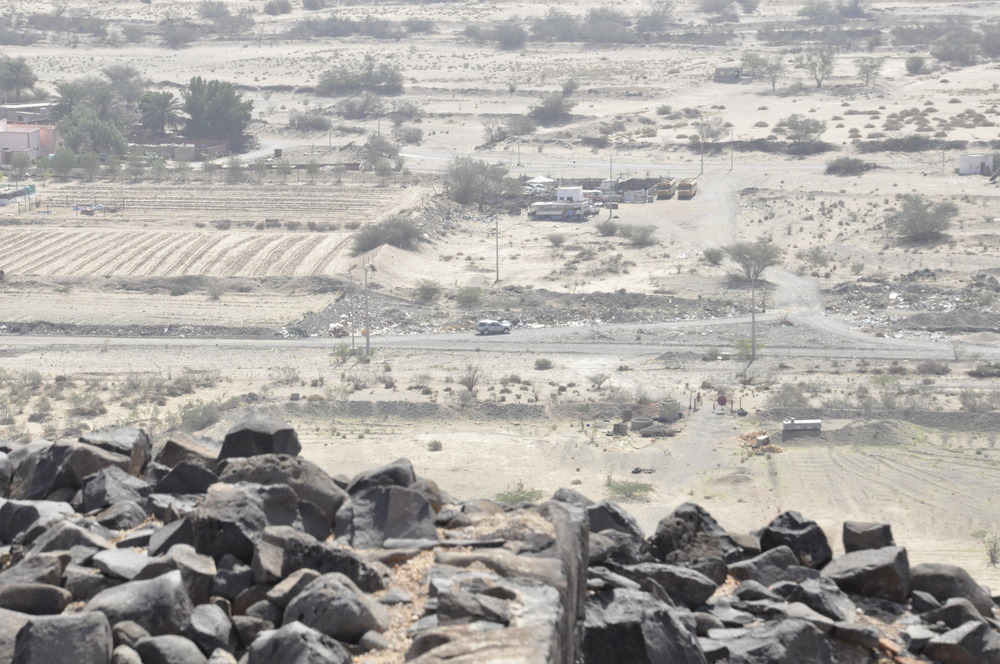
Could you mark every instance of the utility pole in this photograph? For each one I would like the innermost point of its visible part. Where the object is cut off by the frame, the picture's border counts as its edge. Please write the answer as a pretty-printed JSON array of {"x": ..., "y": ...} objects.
[
  {"x": 611, "y": 161},
  {"x": 368, "y": 322},
  {"x": 731, "y": 149},
  {"x": 518, "y": 151}
]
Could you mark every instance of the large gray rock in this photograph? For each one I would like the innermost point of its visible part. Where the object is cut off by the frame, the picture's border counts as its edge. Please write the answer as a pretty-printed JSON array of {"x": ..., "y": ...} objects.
[
  {"x": 945, "y": 581},
  {"x": 64, "y": 535},
  {"x": 398, "y": 473},
  {"x": 884, "y": 573},
  {"x": 260, "y": 432},
  {"x": 296, "y": 643},
  {"x": 690, "y": 533},
  {"x": 607, "y": 515},
  {"x": 181, "y": 446},
  {"x": 282, "y": 550},
  {"x": 779, "y": 564},
  {"x": 11, "y": 623},
  {"x": 789, "y": 641},
  {"x": 971, "y": 643},
  {"x": 122, "y": 564},
  {"x": 684, "y": 585},
  {"x": 632, "y": 626},
  {"x": 334, "y": 605},
  {"x": 16, "y": 516},
  {"x": 160, "y": 605},
  {"x": 197, "y": 571},
  {"x": 186, "y": 477},
  {"x": 956, "y": 612},
  {"x": 801, "y": 535},
  {"x": 83, "y": 637},
  {"x": 6, "y": 473},
  {"x": 378, "y": 513},
  {"x": 233, "y": 517},
  {"x": 126, "y": 441},
  {"x": 307, "y": 479},
  {"x": 123, "y": 515},
  {"x": 460, "y": 606},
  {"x": 83, "y": 583},
  {"x": 43, "y": 468},
  {"x": 860, "y": 535},
  {"x": 169, "y": 649},
  {"x": 112, "y": 485},
  {"x": 209, "y": 628},
  {"x": 39, "y": 568},
  {"x": 821, "y": 595},
  {"x": 38, "y": 599}
]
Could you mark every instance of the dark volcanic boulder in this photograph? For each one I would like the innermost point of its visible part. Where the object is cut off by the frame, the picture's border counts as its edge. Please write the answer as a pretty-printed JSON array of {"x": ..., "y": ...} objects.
[
  {"x": 333, "y": 605},
  {"x": 39, "y": 568},
  {"x": 184, "y": 447},
  {"x": 801, "y": 535},
  {"x": 110, "y": 486},
  {"x": 17, "y": 515},
  {"x": 186, "y": 477},
  {"x": 780, "y": 564},
  {"x": 128, "y": 441},
  {"x": 945, "y": 581},
  {"x": 168, "y": 649},
  {"x": 11, "y": 623},
  {"x": 82, "y": 637},
  {"x": 296, "y": 643},
  {"x": 821, "y": 595},
  {"x": 860, "y": 535},
  {"x": 971, "y": 643},
  {"x": 260, "y": 432},
  {"x": 632, "y": 626},
  {"x": 379, "y": 513},
  {"x": 883, "y": 573},
  {"x": 160, "y": 605},
  {"x": 307, "y": 480},
  {"x": 41, "y": 468},
  {"x": 39, "y": 599},
  {"x": 690, "y": 533},
  {"x": 610, "y": 515},
  {"x": 684, "y": 586},
  {"x": 282, "y": 550},
  {"x": 398, "y": 473},
  {"x": 789, "y": 641}
]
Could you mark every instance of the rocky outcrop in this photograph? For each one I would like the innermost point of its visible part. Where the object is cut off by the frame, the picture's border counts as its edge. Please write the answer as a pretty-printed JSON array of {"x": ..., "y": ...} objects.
[{"x": 242, "y": 552}]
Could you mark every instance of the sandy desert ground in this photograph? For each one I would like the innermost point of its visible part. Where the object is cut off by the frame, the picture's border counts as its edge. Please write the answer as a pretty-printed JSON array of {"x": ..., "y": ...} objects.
[{"x": 203, "y": 296}]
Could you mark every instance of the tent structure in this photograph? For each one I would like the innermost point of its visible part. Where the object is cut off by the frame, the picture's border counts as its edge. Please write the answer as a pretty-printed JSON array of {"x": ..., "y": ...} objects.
[{"x": 541, "y": 179}]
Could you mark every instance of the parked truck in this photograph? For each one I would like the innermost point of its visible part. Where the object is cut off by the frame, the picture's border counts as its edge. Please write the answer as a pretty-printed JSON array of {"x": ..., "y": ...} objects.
[
  {"x": 687, "y": 188},
  {"x": 665, "y": 188}
]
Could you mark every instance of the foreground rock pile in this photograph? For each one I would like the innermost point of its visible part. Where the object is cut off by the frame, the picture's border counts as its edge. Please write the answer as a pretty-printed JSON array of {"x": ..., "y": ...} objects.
[{"x": 191, "y": 552}]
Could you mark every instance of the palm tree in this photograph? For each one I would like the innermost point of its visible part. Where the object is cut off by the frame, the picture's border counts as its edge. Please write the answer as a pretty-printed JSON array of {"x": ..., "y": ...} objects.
[
  {"x": 16, "y": 75},
  {"x": 160, "y": 111}
]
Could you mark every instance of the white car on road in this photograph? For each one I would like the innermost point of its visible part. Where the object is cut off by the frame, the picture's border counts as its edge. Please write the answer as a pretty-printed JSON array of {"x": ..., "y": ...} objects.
[{"x": 493, "y": 327}]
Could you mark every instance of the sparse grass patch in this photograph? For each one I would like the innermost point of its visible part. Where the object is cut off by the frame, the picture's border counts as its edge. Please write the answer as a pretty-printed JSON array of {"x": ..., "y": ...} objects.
[{"x": 518, "y": 493}]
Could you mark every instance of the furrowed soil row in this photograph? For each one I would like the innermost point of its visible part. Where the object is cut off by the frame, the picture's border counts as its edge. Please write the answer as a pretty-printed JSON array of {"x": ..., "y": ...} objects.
[
  {"x": 50, "y": 254},
  {"x": 166, "y": 254}
]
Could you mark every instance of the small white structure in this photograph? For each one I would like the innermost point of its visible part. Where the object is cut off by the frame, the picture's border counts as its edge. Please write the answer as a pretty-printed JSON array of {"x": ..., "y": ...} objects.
[
  {"x": 793, "y": 428},
  {"x": 975, "y": 164},
  {"x": 569, "y": 194}
]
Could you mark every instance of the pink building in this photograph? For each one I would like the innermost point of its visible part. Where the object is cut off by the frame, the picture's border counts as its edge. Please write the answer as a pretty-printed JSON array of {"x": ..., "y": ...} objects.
[{"x": 34, "y": 140}]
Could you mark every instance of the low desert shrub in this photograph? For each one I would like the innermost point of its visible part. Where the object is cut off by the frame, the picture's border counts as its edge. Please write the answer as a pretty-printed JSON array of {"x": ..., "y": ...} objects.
[{"x": 518, "y": 493}]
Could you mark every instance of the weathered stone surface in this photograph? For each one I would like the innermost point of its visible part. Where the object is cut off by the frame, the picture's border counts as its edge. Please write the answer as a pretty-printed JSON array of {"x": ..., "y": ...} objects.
[
  {"x": 375, "y": 514},
  {"x": 690, "y": 533},
  {"x": 122, "y": 564},
  {"x": 233, "y": 517},
  {"x": 572, "y": 496},
  {"x": 778, "y": 564},
  {"x": 160, "y": 605},
  {"x": 944, "y": 581},
  {"x": 306, "y": 479},
  {"x": 296, "y": 643},
  {"x": 181, "y": 446},
  {"x": 614, "y": 546},
  {"x": 169, "y": 649},
  {"x": 197, "y": 571},
  {"x": 6, "y": 473},
  {"x": 122, "y": 515},
  {"x": 64, "y": 535},
  {"x": 16, "y": 516},
  {"x": 609, "y": 515},
  {"x": 11, "y": 623},
  {"x": 865, "y": 636},
  {"x": 40, "y": 568},
  {"x": 860, "y": 535},
  {"x": 282, "y": 550},
  {"x": 260, "y": 432},
  {"x": 221, "y": 656},
  {"x": 954, "y": 613},
  {"x": 631, "y": 626},
  {"x": 459, "y": 606},
  {"x": 186, "y": 477},
  {"x": 112, "y": 485},
  {"x": 38, "y": 599},
  {"x": 128, "y": 632},
  {"x": 83, "y": 637},
  {"x": 803, "y": 536},
  {"x": 127, "y": 441},
  {"x": 83, "y": 582},
  {"x": 971, "y": 643},
  {"x": 821, "y": 595},
  {"x": 43, "y": 468},
  {"x": 883, "y": 573},
  {"x": 785, "y": 642},
  {"x": 125, "y": 655},
  {"x": 265, "y": 610},
  {"x": 524, "y": 645},
  {"x": 209, "y": 628},
  {"x": 334, "y": 605},
  {"x": 398, "y": 473},
  {"x": 684, "y": 586}
]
